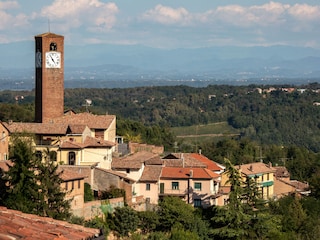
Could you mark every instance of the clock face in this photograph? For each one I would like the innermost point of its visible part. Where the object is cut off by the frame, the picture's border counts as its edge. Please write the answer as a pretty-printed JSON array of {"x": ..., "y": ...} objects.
[{"x": 53, "y": 60}]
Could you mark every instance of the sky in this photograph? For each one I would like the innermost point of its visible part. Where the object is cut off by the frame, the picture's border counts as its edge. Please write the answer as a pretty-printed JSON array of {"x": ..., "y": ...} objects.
[{"x": 165, "y": 24}]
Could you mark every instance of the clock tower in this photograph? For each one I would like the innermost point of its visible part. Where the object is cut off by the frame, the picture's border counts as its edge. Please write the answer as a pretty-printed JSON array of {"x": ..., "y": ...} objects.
[{"x": 49, "y": 77}]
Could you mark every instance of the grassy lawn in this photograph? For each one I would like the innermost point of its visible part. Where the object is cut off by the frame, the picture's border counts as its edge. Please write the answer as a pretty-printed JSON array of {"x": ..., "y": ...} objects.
[{"x": 212, "y": 129}]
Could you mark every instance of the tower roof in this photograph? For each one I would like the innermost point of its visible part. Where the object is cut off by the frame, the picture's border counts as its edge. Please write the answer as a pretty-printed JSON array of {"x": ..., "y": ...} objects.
[{"x": 49, "y": 34}]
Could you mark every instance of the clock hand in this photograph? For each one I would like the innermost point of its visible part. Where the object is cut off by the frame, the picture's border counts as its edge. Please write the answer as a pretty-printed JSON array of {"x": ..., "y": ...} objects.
[{"x": 52, "y": 59}]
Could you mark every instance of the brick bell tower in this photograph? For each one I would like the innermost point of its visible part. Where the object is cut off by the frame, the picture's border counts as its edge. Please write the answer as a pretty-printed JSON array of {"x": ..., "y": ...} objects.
[{"x": 49, "y": 74}]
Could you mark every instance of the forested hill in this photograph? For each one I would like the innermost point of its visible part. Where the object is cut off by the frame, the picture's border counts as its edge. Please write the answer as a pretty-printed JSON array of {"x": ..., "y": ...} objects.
[{"x": 282, "y": 115}]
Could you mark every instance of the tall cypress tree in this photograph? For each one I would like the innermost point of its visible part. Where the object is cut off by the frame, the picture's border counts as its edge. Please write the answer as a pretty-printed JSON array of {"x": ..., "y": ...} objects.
[
  {"x": 22, "y": 192},
  {"x": 53, "y": 201}
]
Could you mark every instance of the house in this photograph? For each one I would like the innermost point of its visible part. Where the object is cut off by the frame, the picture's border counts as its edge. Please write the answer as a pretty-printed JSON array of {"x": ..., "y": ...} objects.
[
  {"x": 263, "y": 174},
  {"x": 138, "y": 167},
  {"x": 18, "y": 225},
  {"x": 284, "y": 186},
  {"x": 73, "y": 185},
  {"x": 197, "y": 186},
  {"x": 73, "y": 139}
]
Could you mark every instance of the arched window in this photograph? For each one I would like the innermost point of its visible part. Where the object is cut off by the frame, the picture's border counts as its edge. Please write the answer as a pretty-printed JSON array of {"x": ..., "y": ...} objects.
[{"x": 72, "y": 158}]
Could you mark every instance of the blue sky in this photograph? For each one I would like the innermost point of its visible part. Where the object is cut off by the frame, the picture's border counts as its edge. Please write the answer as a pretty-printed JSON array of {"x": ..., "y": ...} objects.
[{"x": 165, "y": 24}]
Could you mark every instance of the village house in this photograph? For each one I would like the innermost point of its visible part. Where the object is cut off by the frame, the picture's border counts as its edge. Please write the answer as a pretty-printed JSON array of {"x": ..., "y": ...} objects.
[{"x": 262, "y": 174}]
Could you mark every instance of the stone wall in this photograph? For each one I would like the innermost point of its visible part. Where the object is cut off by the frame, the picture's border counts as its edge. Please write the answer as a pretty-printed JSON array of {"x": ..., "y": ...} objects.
[{"x": 138, "y": 147}]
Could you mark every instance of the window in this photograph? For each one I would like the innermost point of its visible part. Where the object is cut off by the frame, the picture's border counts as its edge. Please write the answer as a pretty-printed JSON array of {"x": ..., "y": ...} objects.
[
  {"x": 67, "y": 186},
  {"x": 197, "y": 186},
  {"x": 175, "y": 185},
  {"x": 39, "y": 155},
  {"x": 72, "y": 185},
  {"x": 79, "y": 183},
  {"x": 72, "y": 158},
  {"x": 197, "y": 202},
  {"x": 148, "y": 186},
  {"x": 127, "y": 170}
]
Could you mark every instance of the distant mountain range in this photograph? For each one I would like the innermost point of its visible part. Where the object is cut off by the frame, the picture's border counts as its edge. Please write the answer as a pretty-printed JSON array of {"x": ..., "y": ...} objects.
[{"x": 102, "y": 62}]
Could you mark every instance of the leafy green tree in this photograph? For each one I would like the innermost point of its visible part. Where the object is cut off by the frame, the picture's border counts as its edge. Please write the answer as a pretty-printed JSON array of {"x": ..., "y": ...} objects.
[
  {"x": 149, "y": 220},
  {"x": 174, "y": 211},
  {"x": 124, "y": 221},
  {"x": 88, "y": 194}
]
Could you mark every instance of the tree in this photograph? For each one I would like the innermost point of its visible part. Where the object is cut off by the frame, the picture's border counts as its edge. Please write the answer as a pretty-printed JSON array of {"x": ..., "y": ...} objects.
[
  {"x": 22, "y": 191},
  {"x": 230, "y": 221},
  {"x": 52, "y": 199},
  {"x": 33, "y": 184},
  {"x": 124, "y": 221}
]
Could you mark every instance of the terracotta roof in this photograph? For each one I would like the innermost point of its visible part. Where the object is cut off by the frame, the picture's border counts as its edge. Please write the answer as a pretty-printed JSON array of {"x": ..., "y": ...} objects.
[
  {"x": 282, "y": 172},
  {"x": 70, "y": 145},
  {"x": 151, "y": 173},
  {"x": 211, "y": 165},
  {"x": 300, "y": 186},
  {"x": 132, "y": 161},
  {"x": 182, "y": 160},
  {"x": 48, "y": 34},
  {"x": 97, "y": 142},
  {"x": 76, "y": 129},
  {"x": 68, "y": 175},
  {"x": 154, "y": 161},
  {"x": 121, "y": 175},
  {"x": 37, "y": 128},
  {"x": 88, "y": 119},
  {"x": 256, "y": 168},
  {"x": 4, "y": 165},
  {"x": 184, "y": 173},
  {"x": 18, "y": 225}
]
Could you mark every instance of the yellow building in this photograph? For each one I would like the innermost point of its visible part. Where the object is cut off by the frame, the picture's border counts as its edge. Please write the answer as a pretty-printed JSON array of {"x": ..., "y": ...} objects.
[
  {"x": 263, "y": 174},
  {"x": 73, "y": 139}
]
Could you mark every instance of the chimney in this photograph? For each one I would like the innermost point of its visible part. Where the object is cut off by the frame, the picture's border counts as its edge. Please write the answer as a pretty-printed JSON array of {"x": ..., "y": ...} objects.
[
  {"x": 191, "y": 174},
  {"x": 200, "y": 151},
  {"x": 251, "y": 168}
]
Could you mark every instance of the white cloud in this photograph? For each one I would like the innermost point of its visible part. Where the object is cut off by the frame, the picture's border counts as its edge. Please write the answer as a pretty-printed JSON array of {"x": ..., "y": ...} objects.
[
  {"x": 8, "y": 5},
  {"x": 90, "y": 14},
  {"x": 304, "y": 12},
  {"x": 167, "y": 15}
]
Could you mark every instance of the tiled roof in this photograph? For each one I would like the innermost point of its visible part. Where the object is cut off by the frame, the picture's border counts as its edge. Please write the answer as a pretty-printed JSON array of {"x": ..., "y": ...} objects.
[
  {"x": 75, "y": 123},
  {"x": 68, "y": 175},
  {"x": 97, "y": 142},
  {"x": 182, "y": 160},
  {"x": 71, "y": 145},
  {"x": 211, "y": 165},
  {"x": 184, "y": 173},
  {"x": 121, "y": 175},
  {"x": 4, "y": 165},
  {"x": 132, "y": 161},
  {"x": 282, "y": 172},
  {"x": 256, "y": 168},
  {"x": 37, "y": 128},
  {"x": 48, "y": 34},
  {"x": 88, "y": 119},
  {"x": 18, "y": 225},
  {"x": 88, "y": 142},
  {"x": 151, "y": 173},
  {"x": 76, "y": 129}
]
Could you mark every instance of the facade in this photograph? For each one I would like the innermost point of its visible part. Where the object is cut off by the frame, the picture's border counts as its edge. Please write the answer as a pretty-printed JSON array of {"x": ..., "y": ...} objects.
[
  {"x": 73, "y": 185},
  {"x": 197, "y": 186},
  {"x": 263, "y": 174}
]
